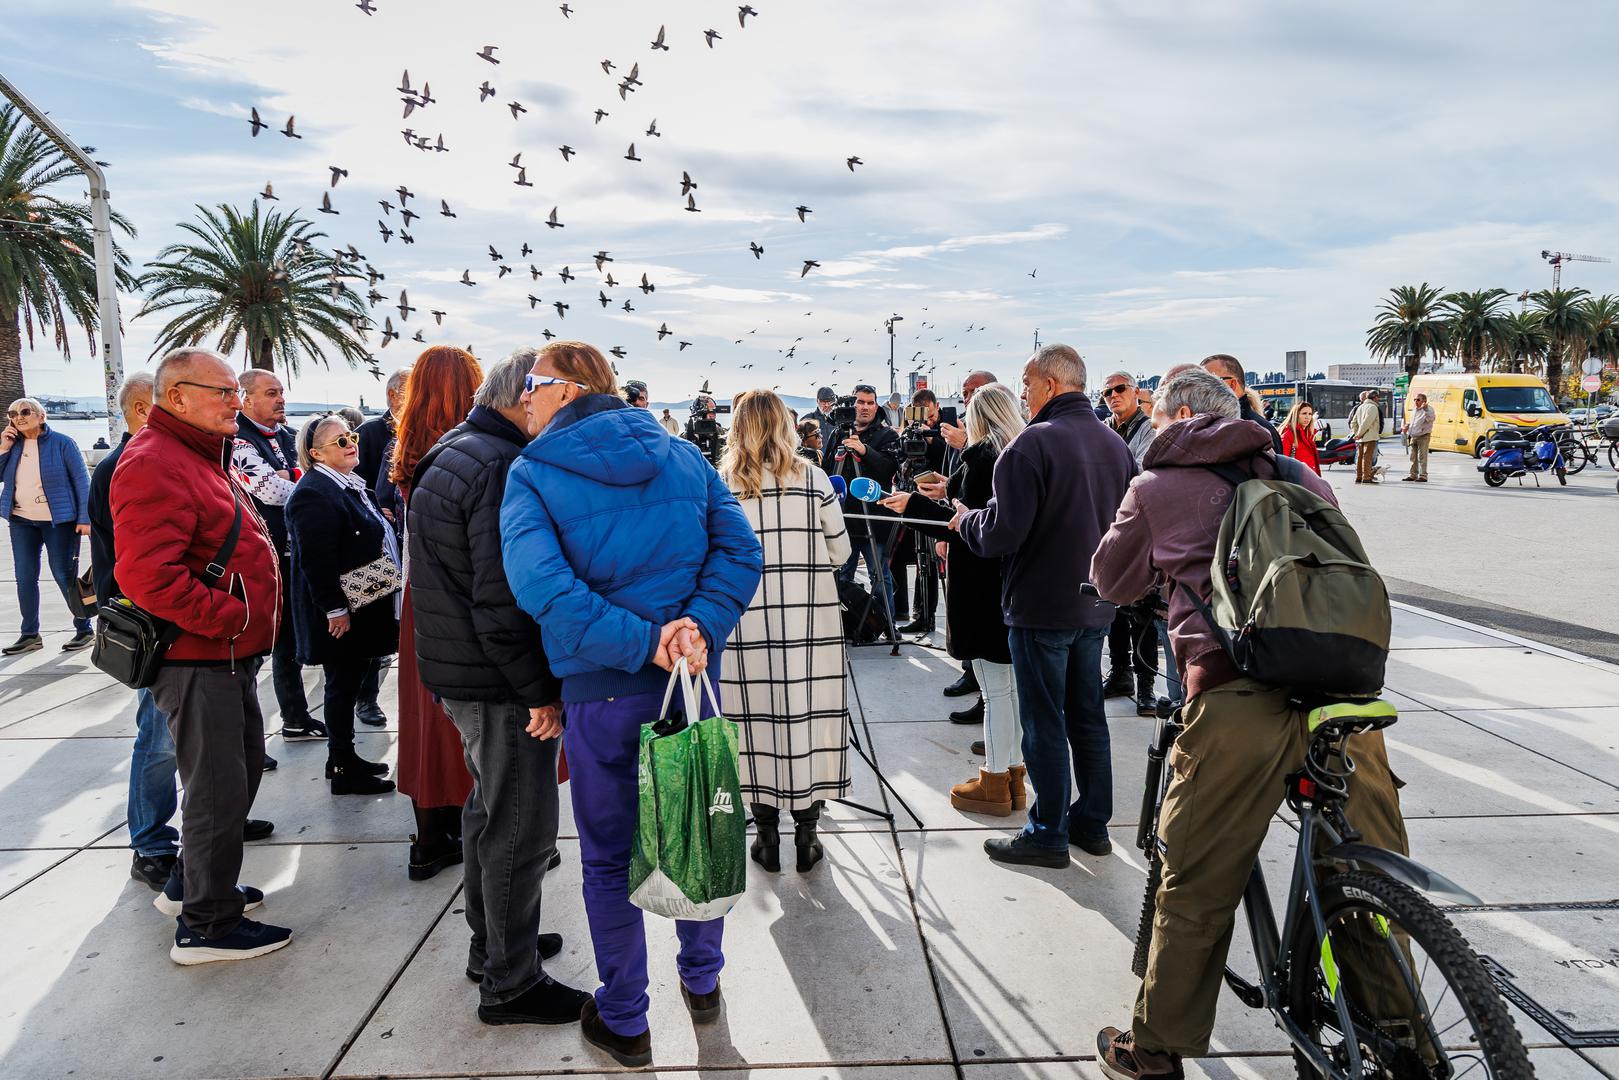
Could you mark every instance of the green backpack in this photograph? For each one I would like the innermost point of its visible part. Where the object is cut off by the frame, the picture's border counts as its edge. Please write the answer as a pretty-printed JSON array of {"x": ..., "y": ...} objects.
[{"x": 1296, "y": 601}]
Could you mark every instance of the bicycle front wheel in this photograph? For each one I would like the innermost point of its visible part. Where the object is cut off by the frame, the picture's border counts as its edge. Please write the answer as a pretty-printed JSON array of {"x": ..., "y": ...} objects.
[{"x": 1420, "y": 1003}]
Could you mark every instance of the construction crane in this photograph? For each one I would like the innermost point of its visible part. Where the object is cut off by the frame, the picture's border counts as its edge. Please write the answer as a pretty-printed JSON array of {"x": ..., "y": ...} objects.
[{"x": 1558, "y": 258}]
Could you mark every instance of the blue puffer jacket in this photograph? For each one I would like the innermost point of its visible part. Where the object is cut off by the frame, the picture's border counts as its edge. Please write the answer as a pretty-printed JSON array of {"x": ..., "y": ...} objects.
[
  {"x": 62, "y": 473},
  {"x": 609, "y": 529}
]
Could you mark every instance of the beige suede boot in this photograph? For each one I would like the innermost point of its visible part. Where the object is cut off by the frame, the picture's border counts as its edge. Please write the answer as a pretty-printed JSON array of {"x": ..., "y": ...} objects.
[
  {"x": 1020, "y": 794},
  {"x": 988, "y": 794}
]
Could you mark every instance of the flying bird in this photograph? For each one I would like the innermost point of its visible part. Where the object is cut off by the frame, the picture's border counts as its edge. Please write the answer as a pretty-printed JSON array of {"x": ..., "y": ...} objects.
[
  {"x": 546, "y": 334},
  {"x": 425, "y": 98},
  {"x": 533, "y": 272},
  {"x": 629, "y": 155},
  {"x": 1034, "y": 271},
  {"x": 439, "y": 146},
  {"x": 410, "y": 136},
  {"x": 628, "y": 306},
  {"x": 607, "y": 67},
  {"x": 742, "y": 14},
  {"x": 552, "y": 222},
  {"x": 756, "y": 249},
  {"x": 526, "y": 250},
  {"x": 388, "y": 332},
  {"x": 657, "y": 42},
  {"x": 407, "y": 215},
  {"x": 373, "y": 296},
  {"x": 444, "y": 209},
  {"x": 652, "y": 129},
  {"x": 367, "y": 6},
  {"x": 686, "y": 183},
  {"x": 494, "y": 256},
  {"x": 466, "y": 278},
  {"x": 517, "y": 160},
  {"x": 664, "y": 331},
  {"x": 567, "y": 151},
  {"x": 326, "y": 203},
  {"x": 601, "y": 113},
  {"x": 516, "y": 107},
  {"x": 691, "y": 205},
  {"x": 386, "y": 232},
  {"x": 682, "y": 348},
  {"x": 522, "y": 179},
  {"x": 404, "y": 83},
  {"x": 803, "y": 210},
  {"x": 712, "y": 36},
  {"x": 618, "y": 351},
  {"x": 562, "y": 309},
  {"x": 419, "y": 336},
  {"x": 488, "y": 53},
  {"x": 404, "y": 307},
  {"x": 634, "y": 77},
  {"x": 406, "y": 238},
  {"x": 566, "y": 11},
  {"x": 255, "y": 123},
  {"x": 288, "y": 130},
  {"x": 438, "y": 316},
  {"x": 809, "y": 264},
  {"x": 624, "y": 89},
  {"x": 504, "y": 270},
  {"x": 610, "y": 283},
  {"x": 601, "y": 296},
  {"x": 646, "y": 286},
  {"x": 565, "y": 275},
  {"x": 485, "y": 92},
  {"x": 533, "y": 300},
  {"x": 852, "y": 162},
  {"x": 337, "y": 174},
  {"x": 269, "y": 193},
  {"x": 404, "y": 193},
  {"x": 602, "y": 257}
]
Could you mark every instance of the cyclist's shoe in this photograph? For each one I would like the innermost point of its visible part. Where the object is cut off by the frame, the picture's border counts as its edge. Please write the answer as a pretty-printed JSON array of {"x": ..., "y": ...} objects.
[{"x": 1122, "y": 1059}]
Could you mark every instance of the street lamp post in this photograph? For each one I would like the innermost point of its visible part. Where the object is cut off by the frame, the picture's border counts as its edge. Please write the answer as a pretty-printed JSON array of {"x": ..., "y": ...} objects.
[
  {"x": 112, "y": 346},
  {"x": 893, "y": 387}
]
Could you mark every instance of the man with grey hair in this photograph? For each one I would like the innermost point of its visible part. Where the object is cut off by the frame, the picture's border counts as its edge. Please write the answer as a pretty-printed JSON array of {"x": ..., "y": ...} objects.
[
  {"x": 1241, "y": 737},
  {"x": 265, "y": 453},
  {"x": 174, "y": 496},
  {"x": 376, "y": 433},
  {"x": 1131, "y": 645},
  {"x": 1056, "y": 488},
  {"x": 484, "y": 658}
]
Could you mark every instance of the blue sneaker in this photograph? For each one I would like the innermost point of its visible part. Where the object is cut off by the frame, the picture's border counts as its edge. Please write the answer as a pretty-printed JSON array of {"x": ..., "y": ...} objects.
[
  {"x": 172, "y": 898},
  {"x": 248, "y": 940}
]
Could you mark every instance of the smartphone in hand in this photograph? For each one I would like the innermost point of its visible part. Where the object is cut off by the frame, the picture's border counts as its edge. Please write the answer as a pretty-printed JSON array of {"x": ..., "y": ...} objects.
[
  {"x": 929, "y": 477},
  {"x": 947, "y": 415}
]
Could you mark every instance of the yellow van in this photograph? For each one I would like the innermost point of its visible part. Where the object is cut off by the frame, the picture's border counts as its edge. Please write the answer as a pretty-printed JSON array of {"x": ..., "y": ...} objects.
[{"x": 1467, "y": 406}]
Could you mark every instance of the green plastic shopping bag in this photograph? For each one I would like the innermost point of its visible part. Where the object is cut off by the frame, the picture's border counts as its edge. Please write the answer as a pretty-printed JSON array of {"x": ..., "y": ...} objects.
[{"x": 689, "y": 859}]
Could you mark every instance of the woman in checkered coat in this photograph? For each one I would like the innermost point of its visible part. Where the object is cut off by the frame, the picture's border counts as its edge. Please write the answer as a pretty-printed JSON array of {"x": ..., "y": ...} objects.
[{"x": 783, "y": 674}]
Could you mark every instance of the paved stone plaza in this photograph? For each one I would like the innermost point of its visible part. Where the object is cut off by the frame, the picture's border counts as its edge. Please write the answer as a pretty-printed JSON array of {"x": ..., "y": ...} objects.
[{"x": 905, "y": 955}]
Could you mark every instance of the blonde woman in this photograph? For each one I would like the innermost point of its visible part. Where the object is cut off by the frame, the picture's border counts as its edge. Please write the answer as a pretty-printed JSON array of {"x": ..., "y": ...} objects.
[
  {"x": 783, "y": 679},
  {"x": 976, "y": 627}
]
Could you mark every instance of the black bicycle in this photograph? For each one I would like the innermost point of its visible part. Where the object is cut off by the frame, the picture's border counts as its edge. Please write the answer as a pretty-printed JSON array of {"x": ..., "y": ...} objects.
[{"x": 1351, "y": 973}]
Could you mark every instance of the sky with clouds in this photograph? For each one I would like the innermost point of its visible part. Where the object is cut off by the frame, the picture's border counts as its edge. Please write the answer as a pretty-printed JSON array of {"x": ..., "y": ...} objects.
[{"x": 1239, "y": 175}]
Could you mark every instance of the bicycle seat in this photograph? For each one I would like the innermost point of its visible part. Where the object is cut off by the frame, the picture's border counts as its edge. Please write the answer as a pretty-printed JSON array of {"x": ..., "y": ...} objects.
[{"x": 1352, "y": 716}]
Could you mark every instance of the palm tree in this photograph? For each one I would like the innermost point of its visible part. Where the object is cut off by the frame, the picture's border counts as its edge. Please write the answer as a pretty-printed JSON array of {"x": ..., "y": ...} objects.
[
  {"x": 257, "y": 280},
  {"x": 1563, "y": 317},
  {"x": 1473, "y": 324},
  {"x": 1408, "y": 326},
  {"x": 47, "y": 266},
  {"x": 1602, "y": 321},
  {"x": 1522, "y": 342}
]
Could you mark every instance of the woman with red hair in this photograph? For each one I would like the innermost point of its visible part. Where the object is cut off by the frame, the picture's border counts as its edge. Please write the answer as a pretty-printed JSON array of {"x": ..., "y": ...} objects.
[{"x": 432, "y": 770}]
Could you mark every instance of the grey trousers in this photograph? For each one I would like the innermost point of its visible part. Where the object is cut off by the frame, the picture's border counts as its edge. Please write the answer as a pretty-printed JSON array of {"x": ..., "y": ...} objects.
[
  {"x": 508, "y": 833},
  {"x": 1419, "y": 456},
  {"x": 219, "y": 750}
]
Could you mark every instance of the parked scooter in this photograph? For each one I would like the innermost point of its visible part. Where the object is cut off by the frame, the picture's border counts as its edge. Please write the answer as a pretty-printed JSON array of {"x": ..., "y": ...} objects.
[
  {"x": 1535, "y": 451},
  {"x": 1336, "y": 452}
]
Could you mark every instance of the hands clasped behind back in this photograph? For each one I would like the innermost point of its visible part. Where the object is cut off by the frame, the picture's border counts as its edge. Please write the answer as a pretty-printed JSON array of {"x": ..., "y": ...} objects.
[{"x": 681, "y": 638}]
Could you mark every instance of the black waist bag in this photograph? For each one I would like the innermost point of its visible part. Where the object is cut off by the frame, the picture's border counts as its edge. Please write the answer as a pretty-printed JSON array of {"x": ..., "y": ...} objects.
[{"x": 131, "y": 642}]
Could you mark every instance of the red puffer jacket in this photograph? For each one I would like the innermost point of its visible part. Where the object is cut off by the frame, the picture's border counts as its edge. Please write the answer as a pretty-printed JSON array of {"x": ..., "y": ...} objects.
[{"x": 171, "y": 511}]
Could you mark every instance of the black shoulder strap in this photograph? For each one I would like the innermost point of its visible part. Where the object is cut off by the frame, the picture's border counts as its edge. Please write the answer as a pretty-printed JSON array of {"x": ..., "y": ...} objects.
[{"x": 215, "y": 570}]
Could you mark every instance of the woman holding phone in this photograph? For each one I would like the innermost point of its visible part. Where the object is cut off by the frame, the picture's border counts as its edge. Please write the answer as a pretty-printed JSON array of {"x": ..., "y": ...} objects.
[
  {"x": 45, "y": 498},
  {"x": 976, "y": 628}
]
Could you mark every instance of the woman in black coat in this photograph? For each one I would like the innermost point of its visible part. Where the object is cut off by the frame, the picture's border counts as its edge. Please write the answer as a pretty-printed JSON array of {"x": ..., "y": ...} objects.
[
  {"x": 336, "y": 529},
  {"x": 975, "y": 626}
]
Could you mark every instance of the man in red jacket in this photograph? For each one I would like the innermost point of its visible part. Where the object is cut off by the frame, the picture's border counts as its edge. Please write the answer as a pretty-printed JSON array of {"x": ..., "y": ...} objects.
[{"x": 174, "y": 499}]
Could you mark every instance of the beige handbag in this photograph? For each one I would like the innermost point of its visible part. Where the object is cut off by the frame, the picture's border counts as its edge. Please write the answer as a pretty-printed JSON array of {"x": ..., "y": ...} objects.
[{"x": 373, "y": 581}]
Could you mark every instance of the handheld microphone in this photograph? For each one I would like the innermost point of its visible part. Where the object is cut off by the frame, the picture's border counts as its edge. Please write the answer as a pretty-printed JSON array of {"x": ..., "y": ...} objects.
[
  {"x": 867, "y": 490},
  {"x": 840, "y": 487}
]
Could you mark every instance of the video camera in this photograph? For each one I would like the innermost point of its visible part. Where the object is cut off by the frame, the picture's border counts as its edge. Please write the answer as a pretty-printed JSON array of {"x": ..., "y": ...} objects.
[
  {"x": 842, "y": 418},
  {"x": 703, "y": 427}
]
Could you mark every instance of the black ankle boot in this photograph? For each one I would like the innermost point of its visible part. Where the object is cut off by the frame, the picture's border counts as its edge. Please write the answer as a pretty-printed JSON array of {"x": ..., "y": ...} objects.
[
  {"x": 354, "y": 778},
  {"x": 766, "y": 850},
  {"x": 805, "y": 838},
  {"x": 358, "y": 765}
]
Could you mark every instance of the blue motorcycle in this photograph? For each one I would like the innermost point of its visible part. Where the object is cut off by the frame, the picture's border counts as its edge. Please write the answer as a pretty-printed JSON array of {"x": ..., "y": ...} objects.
[{"x": 1530, "y": 452}]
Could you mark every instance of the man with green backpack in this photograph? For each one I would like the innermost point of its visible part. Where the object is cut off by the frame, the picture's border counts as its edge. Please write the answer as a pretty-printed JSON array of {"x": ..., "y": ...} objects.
[{"x": 1293, "y": 609}]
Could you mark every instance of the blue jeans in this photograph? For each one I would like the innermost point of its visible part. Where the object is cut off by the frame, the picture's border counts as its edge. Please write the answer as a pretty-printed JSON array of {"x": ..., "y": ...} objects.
[
  {"x": 152, "y": 798},
  {"x": 61, "y": 543},
  {"x": 1059, "y": 683},
  {"x": 603, "y": 743},
  {"x": 860, "y": 548}
]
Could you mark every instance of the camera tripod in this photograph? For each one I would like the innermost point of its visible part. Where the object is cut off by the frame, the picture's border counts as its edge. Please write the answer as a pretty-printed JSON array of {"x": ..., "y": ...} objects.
[{"x": 882, "y": 781}]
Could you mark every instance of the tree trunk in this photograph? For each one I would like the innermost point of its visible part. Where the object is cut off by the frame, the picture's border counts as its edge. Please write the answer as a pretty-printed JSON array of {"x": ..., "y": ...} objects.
[
  {"x": 1470, "y": 362},
  {"x": 1554, "y": 369},
  {"x": 1413, "y": 361},
  {"x": 264, "y": 356},
  {"x": 11, "y": 387}
]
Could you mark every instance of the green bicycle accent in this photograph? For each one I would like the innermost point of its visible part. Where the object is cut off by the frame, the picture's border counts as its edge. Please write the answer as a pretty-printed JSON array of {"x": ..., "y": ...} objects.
[
  {"x": 1381, "y": 923},
  {"x": 1329, "y": 967},
  {"x": 1338, "y": 710}
]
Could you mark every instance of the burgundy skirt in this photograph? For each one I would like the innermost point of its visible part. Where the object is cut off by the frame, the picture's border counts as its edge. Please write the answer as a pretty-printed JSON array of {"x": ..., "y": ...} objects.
[{"x": 432, "y": 769}]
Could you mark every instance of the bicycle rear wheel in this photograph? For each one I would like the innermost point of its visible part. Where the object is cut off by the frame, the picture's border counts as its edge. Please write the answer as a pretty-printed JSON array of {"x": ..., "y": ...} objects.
[{"x": 1421, "y": 1004}]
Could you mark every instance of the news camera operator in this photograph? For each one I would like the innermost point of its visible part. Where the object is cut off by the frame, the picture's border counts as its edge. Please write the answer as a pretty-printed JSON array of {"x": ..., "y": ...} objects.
[
  {"x": 863, "y": 444},
  {"x": 923, "y": 448},
  {"x": 703, "y": 426}
]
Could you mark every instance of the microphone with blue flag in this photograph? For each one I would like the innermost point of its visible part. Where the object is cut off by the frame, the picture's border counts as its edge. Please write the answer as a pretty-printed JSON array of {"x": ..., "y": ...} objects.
[
  {"x": 867, "y": 490},
  {"x": 840, "y": 487}
]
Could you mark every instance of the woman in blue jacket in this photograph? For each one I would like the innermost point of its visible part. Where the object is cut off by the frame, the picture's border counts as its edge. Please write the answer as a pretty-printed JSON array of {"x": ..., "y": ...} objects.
[
  {"x": 630, "y": 552},
  {"x": 45, "y": 496}
]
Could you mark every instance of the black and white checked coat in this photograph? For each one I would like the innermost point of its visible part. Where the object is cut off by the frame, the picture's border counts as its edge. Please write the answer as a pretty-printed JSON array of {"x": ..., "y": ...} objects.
[{"x": 783, "y": 676}]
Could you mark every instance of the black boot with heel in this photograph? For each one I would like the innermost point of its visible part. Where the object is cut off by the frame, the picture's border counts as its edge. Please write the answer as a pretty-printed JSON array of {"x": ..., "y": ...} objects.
[
  {"x": 766, "y": 850},
  {"x": 805, "y": 838}
]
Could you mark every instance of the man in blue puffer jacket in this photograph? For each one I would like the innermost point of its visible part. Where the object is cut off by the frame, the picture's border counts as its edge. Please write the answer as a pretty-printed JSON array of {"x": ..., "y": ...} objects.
[{"x": 630, "y": 552}]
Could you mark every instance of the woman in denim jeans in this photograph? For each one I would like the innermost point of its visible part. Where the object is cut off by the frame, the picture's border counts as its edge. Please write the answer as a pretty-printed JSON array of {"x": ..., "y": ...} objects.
[{"x": 45, "y": 496}]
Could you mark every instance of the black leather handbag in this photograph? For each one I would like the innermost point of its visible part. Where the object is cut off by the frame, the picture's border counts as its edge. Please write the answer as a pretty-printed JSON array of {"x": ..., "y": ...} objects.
[{"x": 131, "y": 642}]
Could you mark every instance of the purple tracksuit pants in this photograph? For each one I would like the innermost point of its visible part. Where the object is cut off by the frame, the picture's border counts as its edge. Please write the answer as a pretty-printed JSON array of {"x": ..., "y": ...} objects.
[{"x": 603, "y": 740}]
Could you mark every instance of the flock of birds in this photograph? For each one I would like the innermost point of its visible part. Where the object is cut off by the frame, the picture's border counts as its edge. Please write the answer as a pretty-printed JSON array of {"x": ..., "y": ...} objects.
[{"x": 398, "y": 218}]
